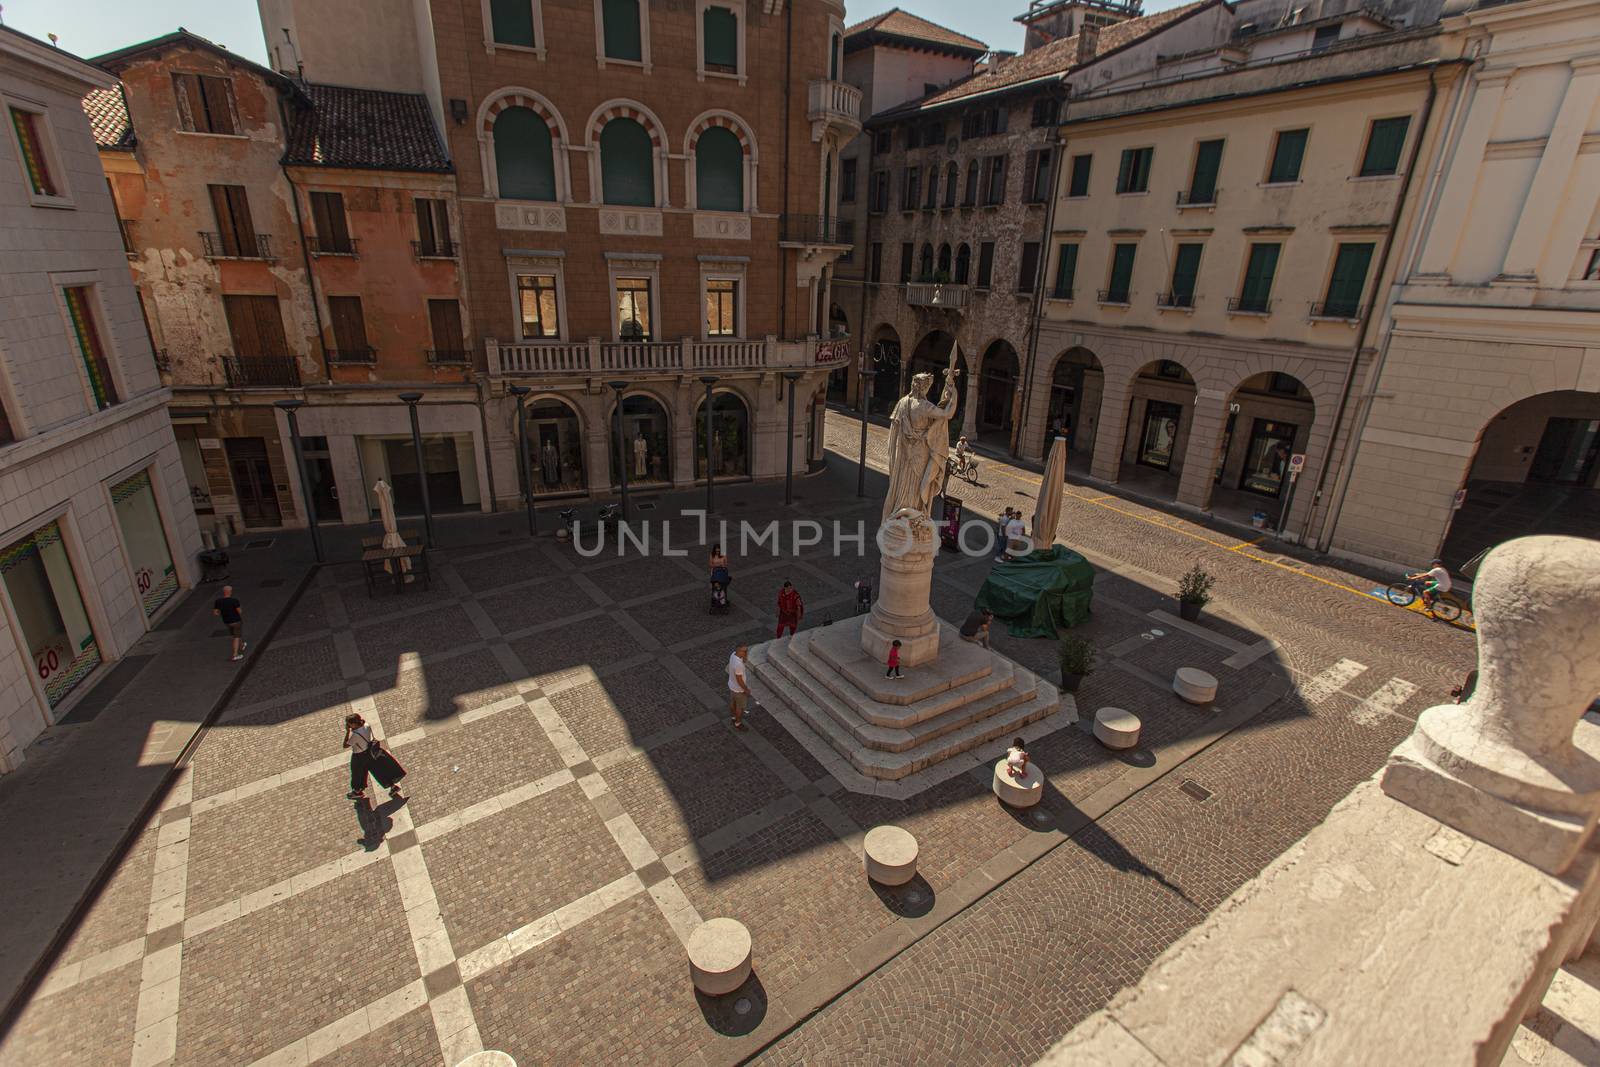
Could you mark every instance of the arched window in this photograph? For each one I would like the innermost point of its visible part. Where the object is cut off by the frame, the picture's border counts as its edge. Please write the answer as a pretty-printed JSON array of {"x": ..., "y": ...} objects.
[
  {"x": 952, "y": 178},
  {"x": 627, "y": 164},
  {"x": 718, "y": 171},
  {"x": 944, "y": 260},
  {"x": 963, "y": 264},
  {"x": 524, "y": 159},
  {"x": 972, "y": 185}
]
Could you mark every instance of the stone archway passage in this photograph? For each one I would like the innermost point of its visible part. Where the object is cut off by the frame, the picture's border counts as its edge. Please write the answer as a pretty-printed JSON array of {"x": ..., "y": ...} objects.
[
  {"x": 997, "y": 390},
  {"x": 1160, "y": 417},
  {"x": 1077, "y": 382}
]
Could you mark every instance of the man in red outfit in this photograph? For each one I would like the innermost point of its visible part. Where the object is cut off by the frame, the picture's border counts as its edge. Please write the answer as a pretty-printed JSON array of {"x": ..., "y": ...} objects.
[{"x": 790, "y": 608}]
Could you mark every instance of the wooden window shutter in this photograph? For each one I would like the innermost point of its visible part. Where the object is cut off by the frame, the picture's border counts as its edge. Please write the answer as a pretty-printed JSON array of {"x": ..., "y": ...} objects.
[
  {"x": 349, "y": 326},
  {"x": 190, "y": 108},
  {"x": 444, "y": 318},
  {"x": 217, "y": 102}
]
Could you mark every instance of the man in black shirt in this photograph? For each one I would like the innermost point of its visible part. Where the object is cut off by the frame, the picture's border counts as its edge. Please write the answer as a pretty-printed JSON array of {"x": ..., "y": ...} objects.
[
  {"x": 976, "y": 628},
  {"x": 227, "y": 607}
]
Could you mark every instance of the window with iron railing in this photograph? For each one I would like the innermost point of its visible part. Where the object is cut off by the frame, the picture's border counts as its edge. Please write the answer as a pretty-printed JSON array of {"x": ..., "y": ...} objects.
[
  {"x": 1255, "y": 294},
  {"x": 1066, "y": 271}
]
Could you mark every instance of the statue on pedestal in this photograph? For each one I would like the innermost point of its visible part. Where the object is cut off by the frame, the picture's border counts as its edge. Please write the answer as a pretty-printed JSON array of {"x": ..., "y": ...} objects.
[{"x": 919, "y": 444}]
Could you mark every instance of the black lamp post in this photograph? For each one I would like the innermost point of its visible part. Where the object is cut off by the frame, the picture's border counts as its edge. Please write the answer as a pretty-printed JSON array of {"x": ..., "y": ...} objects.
[
  {"x": 526, "y": 462},
  {"x": 622, "y": 459},
  {"x": 411, "y": 400},
  {"x": 867, "y": 377},
  {"x": 289, "y": 408},
  {"x": 792, "y": 377},
  {"x": 709, "y": 380}
]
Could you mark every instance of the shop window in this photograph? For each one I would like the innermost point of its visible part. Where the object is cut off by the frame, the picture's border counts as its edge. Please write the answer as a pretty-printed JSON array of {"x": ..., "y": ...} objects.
[
  {"x": 722, "y": 307},
  {"x": 91, "y": 346},
  {"x": 205, "y": 104},
  {"x": 1159, "y": 434},
  {"x": 1078, "y": 183},
  {"x": 719, "y": 28},
  {"x": 524, "y": 156},
  {"x": 37, "y": 159},
  {"x": 555, "y": 447},
  {"x": 512, "y": 22},
  {"x": 433, "y": 228},
  {"x": 730, "y": 437},
  {"x": 719, "y": 171},
  {"x": 985, "y": 264},
  {"x": 43, "y": 590},
  {"x": 646, "y": 441},
  {"x": 1133, "y": 175},
  {"x": 539, "y": 300},
  {"x": 349, "y": 331},
  {"x": 1384, "y": 142},
  {"x": 328, "y": 219},
  {"x": 1066, "y": 271},
  {"x": 1266, "y": 459},
  {"x": 1287, "y": 155},
  {"x": 626, "y": 164},
  {"x": 1028, "y": 268},
  {"x": 634, "y": 319},
  {"x": 620, "y": 27},
  {"x": 145, "y": 540},
  {"x": 447, "y": 465}
]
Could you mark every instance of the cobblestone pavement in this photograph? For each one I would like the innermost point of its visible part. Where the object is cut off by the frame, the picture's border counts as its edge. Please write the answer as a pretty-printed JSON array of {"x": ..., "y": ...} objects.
[{"x": 579, "y": 805}]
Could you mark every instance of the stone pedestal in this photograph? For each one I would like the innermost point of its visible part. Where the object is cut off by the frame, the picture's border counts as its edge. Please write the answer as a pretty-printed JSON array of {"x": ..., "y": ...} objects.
[
  {"x": 890, "y": 854},
  {"x": 1022, "y": 792},
  {"x": 719, "y": 956},
  {"x": 905, "y": 579}
]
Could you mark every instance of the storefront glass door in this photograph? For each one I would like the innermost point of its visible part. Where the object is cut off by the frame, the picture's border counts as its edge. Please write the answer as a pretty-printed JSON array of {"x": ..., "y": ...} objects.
[
  {"x": 1267, "y": 457},
  {"x": 44, "y": 594},
  {"x": 1160, "y": 434},
  {"x": 134, "y": 501}
]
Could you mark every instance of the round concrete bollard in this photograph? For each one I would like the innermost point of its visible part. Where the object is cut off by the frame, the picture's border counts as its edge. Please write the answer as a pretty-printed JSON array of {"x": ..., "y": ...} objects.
[
  {"x": 891, "y": 855},
  {"x": 1194, "y": 685},
  {"x": 719, "y": 956},
  {"x": 1116, "y": 727},
  {"x": 1022, "y": 792},
  {"x": 488, "y": 1058}
]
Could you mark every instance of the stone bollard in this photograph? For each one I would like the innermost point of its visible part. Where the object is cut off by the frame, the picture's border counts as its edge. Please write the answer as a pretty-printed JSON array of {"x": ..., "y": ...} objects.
[{"x": 1515, "y": 765}]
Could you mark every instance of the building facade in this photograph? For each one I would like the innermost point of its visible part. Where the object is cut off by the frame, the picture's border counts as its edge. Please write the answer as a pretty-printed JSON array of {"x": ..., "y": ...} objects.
[
  {"x": 96, "y": 533},
  {"x": 647, "y": 200}
]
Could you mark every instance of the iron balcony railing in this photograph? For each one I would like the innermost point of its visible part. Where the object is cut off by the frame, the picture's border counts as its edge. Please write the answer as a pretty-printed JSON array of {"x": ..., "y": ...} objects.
[
  {"x": 1175, "y": 300},
  {"x": 817, "y": 230},
  {"x": 261, "y": 372},
  {"x": 449, "y": 355},
  {"x": 1249, "y": 305},
  {"x": 1115, "y": 296},
  {"x": 1201, "y": 198},
  {"x": 434, "y": 249},
  {"x": 331, "y": 246},
  {"x": 221, "y": 246},
  {"x": 366, "y": 354},
  {"x": 1058, "y": 293},
  {"x": 1338, "y": 309}
]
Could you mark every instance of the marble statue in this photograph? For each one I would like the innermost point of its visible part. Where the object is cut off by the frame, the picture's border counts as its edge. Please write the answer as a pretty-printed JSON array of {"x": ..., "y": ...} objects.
[{"x": 919, "y": 443}]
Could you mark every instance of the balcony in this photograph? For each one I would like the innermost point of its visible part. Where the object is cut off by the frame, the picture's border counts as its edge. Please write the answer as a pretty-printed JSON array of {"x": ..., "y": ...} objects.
[
  {"x": 609, "y": 357},
  {"x": 1116, "y": 297},
  {"x": 1249, "y": 305},
  {"x": 261, "y": 372},
  {"x": 816, "y": 230},
  {"x": 435, "y": 249},
  {"x": 1338, "y": 310},
  {"x": 836, "y": 105},
  {"x": 227, "y": 246},
  {"x": 330, "y": 246},
  {"x": 448, "y": 357},
  {"x": 1059, "y": 293},
  {"x": 1197, "y": 198},
  {"x": 1175, "y": 301},
  {"x": 938, "y": 295},
  {"x": 368, "y": 355}
]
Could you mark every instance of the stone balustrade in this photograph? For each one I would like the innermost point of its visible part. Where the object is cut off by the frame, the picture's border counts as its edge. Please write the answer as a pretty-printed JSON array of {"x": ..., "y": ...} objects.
[{"x": 595, "y": 356}]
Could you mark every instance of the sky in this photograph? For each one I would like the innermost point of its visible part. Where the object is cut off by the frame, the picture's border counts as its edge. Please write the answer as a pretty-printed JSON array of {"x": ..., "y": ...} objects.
[{"x": 90, "y": 28}]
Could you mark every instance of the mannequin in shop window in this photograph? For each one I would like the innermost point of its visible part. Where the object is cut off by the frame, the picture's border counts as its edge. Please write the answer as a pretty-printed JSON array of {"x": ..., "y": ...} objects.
[
  {"x": 641, "y": 455},
  {"x": 550, "y": 461}
]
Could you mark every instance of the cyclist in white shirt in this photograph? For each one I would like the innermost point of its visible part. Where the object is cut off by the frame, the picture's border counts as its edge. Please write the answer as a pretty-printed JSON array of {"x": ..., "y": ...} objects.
[{"x": 1431, "y": 582}]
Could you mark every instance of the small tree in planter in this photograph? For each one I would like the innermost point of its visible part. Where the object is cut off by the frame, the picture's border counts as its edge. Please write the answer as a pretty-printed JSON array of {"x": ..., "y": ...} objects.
[
  {"x": 1076, "y": 659},
  {"x": 1194, "y": 592}
]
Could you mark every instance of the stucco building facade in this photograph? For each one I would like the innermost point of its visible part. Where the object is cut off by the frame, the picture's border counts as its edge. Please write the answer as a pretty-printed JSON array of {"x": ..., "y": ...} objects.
[{"x": 96, "y": 533}]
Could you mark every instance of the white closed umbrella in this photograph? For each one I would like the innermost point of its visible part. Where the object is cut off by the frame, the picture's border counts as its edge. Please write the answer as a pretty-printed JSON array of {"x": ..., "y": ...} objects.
[
  {"x": 1051, "y": 489},
  {"x": 391, "y": 530}
]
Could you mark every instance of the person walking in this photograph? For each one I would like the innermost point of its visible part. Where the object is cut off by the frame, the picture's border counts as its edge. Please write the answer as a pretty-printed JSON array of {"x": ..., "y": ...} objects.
[
  {"x": 368, "y": 756},
  {"x": 790, "y": 608},
  {"x": 738, "y": 685},
  {"x": 894, "y": 662},
  {"x": 976, "y": 627},
  {"x": 228, "y": 608}
]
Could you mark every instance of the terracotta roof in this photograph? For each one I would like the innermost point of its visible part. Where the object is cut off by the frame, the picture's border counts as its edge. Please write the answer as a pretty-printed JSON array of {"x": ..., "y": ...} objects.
[
  {"x": 122, "y": 58},
  {"x": 365, "y": 129},
  {"x": 897, "y": 23},
  {"x": 108, "y": 118},
  {"x": 1055, "y": 58}
]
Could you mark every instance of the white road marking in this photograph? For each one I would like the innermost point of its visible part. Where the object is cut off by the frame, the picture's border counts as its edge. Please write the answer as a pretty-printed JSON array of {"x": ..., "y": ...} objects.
[
  {"x": 1330, "y": 681},
  {"x": 1386, "y": 701}
]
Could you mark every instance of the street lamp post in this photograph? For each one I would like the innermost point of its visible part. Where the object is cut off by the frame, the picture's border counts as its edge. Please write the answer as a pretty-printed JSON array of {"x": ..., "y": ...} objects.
[
  {"x": 521, "y": 393},
  {"x": 709, "y": 380},
  {"x": 289, "y": 408},
  {"x": 411, "y": 401},
  {"x": 622, "y": 460},
  {"x": 867, "y": 377},
  {"x": 792, "y": 377}
]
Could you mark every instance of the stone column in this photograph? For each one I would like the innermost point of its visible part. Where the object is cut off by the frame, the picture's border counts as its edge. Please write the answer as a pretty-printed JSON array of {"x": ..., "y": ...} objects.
[
  {"x": 969, "y": 413},
  {"x": 1207, "y": 419},
  {"x": 1107, "y": 462}
]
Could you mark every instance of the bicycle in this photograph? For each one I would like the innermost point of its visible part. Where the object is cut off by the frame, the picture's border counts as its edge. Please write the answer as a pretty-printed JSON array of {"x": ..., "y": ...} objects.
[
  {"x": 963, "y": 465},
  {"x": 1446, "y": 606}
]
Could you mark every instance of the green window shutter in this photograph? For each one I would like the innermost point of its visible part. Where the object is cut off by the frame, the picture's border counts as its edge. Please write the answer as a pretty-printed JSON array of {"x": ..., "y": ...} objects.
[
  {"x": 626, "y": 165},
  {"x": 1258, "y": 277},
  {"x": 1066, "y": 270},
  {"x": 524, "y": 160},
  {"x": 1288, "y": 154},
  {"x": 1125, "y": 171},
  {"x": 1080, "y": 176},
  {"x": 1207, "y": 161},
  {"x": 1185, "y": 269},
  {"x": 620, "y": 22},
  {"x": 1383, "y": 146},
  {"x": 721, "y": 31},
  {"x": 513, "y": 21},
  {"x": 1121, "y": 273},
  {"x": 1349, "y": 280},
  {"x": 719, "y": 171}
]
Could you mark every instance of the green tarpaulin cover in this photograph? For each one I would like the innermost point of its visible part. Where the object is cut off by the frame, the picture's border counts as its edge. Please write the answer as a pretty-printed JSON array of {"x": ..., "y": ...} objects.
[{"x": 1040, "y": 593}]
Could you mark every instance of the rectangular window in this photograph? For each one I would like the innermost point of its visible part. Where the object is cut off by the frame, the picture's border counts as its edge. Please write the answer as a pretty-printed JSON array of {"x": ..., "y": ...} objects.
[
  {"x": 985, "y": 264},
  {"x": 913, "y": 136},
  {"x": 1185, "y": 270},
  {"x": 433, "y": 228},
  {"x": 1028, "y": 268},
  {"x": 205, "y": 104},
  {"x": 537, "y": 298},
  {"x": 634, "y": 319},
  {"x": 878, "y": 198},
  {"x": 327, "y": 216},
  {"x": 349, "y": 330},
  {"x": 933, "y": 133},
  {"x": 1325, "y": 37},
  {"x": 1118, "y": 289},
  {"x": 1286, "y": 156},
  {"x": 39, "y": 576},
  {"x": 1256, "y": 293},
  {"x": 1046, "y": 111},
  {"x": 256, "y": 326},
  {"x": 512, "y": 22},
  {"x": 1384, "y": 142},
  {"x": 905, "y": 262},
  {"x": 236, "y": 233},
  {"x": 1203, "y": 183},
  {"x": 931, "y": 199},
  {"x": 882, "y": 142},
  {"x": 1038, "y": 176},
  {"x": 910, "y": 188},
  {"x": 994, "y": 180},
  {"x": 1078, "y": 183},
  {"x": 875, "y": 266},
  {"x": 35, "y": 160},
  {"x": 620, "y": 26},
  {"x": 1348, "y": 281},
  {"x": 1133, "y": 175},
  {"x": 720, "y": 28},
  {"x": 96, "y": 364},
  {"x": 1066, "y": 271},
  {"x": 847, "y": 181},
  {"x": 444, "y": 324},
  {"x": 722, "y": 307}
]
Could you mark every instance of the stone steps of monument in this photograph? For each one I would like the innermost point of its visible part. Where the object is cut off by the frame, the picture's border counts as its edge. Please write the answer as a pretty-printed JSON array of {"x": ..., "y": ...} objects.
[
  {"x": 773, "y": 687},
  {"x": 898, "y": 716},
  {"x": 846, "y": 707},
  {"x": 854, "y": 664},
  {"x": 1564, "y": 1031}
]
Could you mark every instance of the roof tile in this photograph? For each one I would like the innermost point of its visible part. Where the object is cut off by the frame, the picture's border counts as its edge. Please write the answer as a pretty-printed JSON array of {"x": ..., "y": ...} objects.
[
  {"x": 365, "y": 129},
  {"x": 905, "y": 24},
  {"x": 108, "y": 118}
]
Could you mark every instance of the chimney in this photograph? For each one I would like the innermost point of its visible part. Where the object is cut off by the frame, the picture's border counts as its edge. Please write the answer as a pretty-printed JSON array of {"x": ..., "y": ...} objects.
[{"x": 1088, "y": 42}]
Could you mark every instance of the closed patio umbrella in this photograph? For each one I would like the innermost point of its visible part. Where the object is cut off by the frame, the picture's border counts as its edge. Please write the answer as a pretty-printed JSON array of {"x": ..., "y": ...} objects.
[
  {"x": 391, "y": 531},
  {"x": 1051, "y": 489}
]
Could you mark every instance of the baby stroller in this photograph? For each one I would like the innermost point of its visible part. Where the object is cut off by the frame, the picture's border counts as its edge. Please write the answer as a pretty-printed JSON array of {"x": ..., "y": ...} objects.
[
  {"x": 720, "y": 579},
  {"x": 863, "y": 597}
]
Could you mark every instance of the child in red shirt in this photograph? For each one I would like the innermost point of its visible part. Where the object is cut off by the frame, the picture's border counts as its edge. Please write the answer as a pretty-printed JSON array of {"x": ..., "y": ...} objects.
[{"x": 894, "y": 662}]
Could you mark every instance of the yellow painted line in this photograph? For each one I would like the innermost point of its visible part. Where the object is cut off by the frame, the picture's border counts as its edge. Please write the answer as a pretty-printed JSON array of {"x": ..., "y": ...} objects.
[{"x": 1247, "y": 544}]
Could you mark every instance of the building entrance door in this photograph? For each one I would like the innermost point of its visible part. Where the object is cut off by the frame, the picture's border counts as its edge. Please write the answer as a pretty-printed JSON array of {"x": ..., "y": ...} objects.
[
  {"x": 252, "y": 481},
  {"x": 1567, "y": 452}
]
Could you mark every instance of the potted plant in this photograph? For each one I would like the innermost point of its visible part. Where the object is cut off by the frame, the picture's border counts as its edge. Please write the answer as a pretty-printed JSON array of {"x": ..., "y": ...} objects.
[
  {"x": 1194, "y": 592},
  {"x": 1076, "y": 659}
]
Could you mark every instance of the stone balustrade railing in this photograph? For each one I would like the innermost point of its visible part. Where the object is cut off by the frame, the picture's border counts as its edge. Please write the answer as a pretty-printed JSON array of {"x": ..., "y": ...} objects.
[
  {"x": 608, "y": 357},
  {"x": 1424, "y": 919}
]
